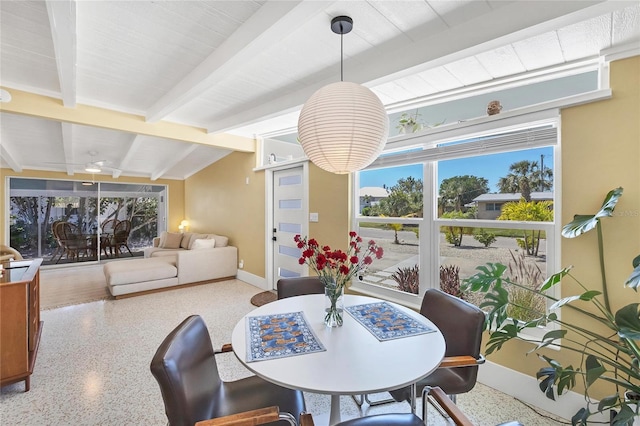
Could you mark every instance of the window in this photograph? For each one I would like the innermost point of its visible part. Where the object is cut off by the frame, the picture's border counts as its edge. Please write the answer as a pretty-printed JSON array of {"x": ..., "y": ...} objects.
[
  {"x": 87, "y": 209},
  {"x": 469, "y": 200}
]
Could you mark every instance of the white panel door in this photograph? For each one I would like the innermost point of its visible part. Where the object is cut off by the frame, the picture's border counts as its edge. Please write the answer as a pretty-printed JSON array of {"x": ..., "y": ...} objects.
[{"x": 289, "y": 215}]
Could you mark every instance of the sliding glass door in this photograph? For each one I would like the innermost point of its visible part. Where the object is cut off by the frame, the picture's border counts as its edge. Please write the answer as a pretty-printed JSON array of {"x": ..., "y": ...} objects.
[{"x": 70, "y": 222}]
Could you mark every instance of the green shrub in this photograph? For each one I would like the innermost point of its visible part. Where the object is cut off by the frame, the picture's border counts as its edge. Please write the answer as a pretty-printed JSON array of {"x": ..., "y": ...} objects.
[{"x": 484, "y": 237}]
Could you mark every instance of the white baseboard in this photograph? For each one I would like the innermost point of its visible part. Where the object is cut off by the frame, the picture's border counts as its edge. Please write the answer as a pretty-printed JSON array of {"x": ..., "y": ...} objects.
[
  {"x": 525, "y": 388},
  {"x": 252, "y": 279}
]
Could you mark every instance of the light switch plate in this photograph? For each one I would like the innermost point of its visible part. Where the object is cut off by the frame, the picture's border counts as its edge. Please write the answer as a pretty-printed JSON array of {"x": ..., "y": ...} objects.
[{"x": 313, "y": 217}]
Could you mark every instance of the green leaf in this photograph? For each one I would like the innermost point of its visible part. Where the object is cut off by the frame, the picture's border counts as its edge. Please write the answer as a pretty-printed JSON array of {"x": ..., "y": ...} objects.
[
  {"x": 554, "y": 279},
  {"x": 608, "y": 401},
  {"x": 584, "y": 223},
  {"x": 586, "y": 296},
  {"x": 624, "y": 417},
  {"x": 628, "y": 321},
  {"x": 594, "y": 369},
  {"x": 634, "y": 279},
  {"x": 580, "y": 418},
  {"x": 497, "y": 302},
  {"x": 490, "y": 275},
  {"x": 502, "y": 336}
]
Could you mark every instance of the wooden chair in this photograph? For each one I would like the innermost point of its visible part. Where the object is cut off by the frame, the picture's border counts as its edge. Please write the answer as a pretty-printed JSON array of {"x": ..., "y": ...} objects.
[
  {"x": 120, "y": 237},
  {"x": 73, "y": 243},
  {"x": 9, "y": 253},
  {"x": 106, "y": 233}
]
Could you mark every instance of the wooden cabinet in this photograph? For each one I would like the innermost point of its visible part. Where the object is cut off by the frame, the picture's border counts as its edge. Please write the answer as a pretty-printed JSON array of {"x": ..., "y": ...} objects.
[{"x": 20, "y": 325}]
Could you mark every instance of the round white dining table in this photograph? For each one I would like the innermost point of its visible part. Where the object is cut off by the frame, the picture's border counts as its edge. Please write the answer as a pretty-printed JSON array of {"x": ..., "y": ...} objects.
[{"x": 355, "y": 362}]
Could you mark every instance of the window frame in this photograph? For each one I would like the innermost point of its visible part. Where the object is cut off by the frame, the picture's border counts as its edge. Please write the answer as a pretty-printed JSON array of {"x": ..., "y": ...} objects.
[{"x": 429, "y": 225}]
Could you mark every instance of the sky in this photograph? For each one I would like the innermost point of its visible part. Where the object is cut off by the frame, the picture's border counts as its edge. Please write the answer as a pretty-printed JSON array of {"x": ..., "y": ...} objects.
[{"x": 491, "y": 167}]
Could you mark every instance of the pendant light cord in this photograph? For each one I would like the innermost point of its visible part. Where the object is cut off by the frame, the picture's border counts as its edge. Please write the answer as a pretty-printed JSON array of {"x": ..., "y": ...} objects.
[{"x": 341, "y": 56}]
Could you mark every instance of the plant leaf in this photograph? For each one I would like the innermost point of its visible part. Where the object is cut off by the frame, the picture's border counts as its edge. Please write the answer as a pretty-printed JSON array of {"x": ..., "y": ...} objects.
[
  {"x": 594, "y": 369},
  {"x": 608, "y": 401},
  {"x": 628, "y": 321},
  {"x": 555, "y": 279},
  {"x": 489, "y": 275},
  {"x": 586, "y": 296},
  {"x": 624, "y": 417},
  {"x": 634, "y": 279},
  {"x": 502, "y": 336},
  {"x": 580, "y": 417},
  {"x": 584, "y": 223},
  {"x": 550, "y": 337}
]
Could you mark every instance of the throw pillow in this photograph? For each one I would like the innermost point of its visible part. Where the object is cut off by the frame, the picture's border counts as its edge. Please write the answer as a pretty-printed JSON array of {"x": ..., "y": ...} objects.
[
  {"x": 203, "y": 244},
  {"x": 193, "y": 239},
  {"x": 186, "y": 238},
  {"x": 171, "y": 240}
]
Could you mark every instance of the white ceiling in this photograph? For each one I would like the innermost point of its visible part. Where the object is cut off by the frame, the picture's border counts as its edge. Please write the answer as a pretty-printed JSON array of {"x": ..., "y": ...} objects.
[{"x": 246, "y": 67}]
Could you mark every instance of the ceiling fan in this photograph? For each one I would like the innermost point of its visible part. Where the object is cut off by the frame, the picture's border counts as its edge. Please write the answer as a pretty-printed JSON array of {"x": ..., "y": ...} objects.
[{"x": 92, "y": 166}]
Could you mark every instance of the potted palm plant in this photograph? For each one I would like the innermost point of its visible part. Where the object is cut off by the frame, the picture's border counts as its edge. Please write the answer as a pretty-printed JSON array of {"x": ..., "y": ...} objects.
[{"x": 611, "y": 356}]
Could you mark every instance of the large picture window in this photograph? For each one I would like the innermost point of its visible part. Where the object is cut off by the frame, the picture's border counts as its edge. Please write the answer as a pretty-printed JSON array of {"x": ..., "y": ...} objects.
[
  {"x": 444, "y": 207},
  {"x": 69, "y": 221}
]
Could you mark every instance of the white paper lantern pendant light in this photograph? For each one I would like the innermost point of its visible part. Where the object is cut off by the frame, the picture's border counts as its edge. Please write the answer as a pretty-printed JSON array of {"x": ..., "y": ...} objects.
[{"x": 343, "y": 127}]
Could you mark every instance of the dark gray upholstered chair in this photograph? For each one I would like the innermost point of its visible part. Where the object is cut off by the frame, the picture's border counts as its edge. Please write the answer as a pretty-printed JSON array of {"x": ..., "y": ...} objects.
[
  {"x": 258, "y": 417},
  {"x": 461, "y": 324},
  {"x": 185, "y": 367},
  {"x": 289, "y": 287}
]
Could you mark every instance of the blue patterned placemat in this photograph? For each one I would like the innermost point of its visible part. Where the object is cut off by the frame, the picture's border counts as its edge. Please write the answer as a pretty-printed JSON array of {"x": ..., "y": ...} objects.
[
  {"x": 279, "y": 336},
  {"x": 386, "y": 322}
]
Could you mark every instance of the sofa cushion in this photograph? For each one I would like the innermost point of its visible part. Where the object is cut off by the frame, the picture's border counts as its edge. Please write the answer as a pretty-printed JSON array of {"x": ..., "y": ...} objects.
[
  {"x": 196, "y": 237},
  {"x": 203, "y": 244},
  {"x": 186, "y": 240},
  {"x": 139, "y": 270},
  {"x": 170, "y": 240},
  {"x": 221, "y": 240}
]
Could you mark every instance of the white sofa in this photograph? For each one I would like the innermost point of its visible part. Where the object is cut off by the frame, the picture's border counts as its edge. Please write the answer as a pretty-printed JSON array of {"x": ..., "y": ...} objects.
[{"x": 169, "y": 264}]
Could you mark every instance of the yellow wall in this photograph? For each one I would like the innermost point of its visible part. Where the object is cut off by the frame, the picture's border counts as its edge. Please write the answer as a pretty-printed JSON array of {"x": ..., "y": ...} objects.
[
  {"x": 600, "y": 151},
  {"x": 329, "y": 197},
  {"x": 219, "y": 200},
  {"x": 175, "y": 188}
]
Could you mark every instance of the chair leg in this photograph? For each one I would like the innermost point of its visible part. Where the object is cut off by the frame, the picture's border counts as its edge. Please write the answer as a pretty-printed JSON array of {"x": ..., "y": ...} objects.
[{"x": 365, "y": 398}]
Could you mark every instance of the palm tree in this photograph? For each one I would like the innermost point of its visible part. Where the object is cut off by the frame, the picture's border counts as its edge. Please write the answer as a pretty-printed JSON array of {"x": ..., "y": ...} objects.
[{"x": 524, "y": 176}]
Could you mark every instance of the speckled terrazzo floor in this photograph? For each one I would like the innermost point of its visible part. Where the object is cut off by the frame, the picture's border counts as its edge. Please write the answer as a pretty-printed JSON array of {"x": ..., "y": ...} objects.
[{"x": 93, "y": 364}]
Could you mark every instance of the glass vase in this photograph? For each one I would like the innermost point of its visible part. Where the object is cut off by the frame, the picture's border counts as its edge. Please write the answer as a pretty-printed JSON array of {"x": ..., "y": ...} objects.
[{"x": 333, "y": 305}]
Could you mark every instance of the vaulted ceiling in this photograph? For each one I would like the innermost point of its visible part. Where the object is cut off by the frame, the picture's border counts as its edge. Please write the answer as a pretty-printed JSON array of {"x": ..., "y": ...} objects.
[{"x": 162, "y": 89}]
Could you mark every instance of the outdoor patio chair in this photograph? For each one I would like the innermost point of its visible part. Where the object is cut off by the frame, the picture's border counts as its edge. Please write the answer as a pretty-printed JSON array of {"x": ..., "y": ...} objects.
[
  {"x": 120, "y": 237},
  {"x": 73, "y": 243},
  {"x": 9, "y": 253}
]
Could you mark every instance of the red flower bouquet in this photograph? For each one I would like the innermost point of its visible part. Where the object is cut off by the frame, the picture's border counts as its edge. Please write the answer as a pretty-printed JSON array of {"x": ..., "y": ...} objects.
[{"x": 336, "y": 267}]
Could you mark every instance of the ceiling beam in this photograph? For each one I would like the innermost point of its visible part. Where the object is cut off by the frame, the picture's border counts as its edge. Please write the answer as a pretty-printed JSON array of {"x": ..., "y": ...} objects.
[
  {"x": 33, "y": 105},
  {"x": 265, "y": 28},
  {"x": 136, "y": 141},
  {"x": 175, "y": 160},
  {"x": 390, "y": 61},
  {"x": 67, "y": 146},
  {"x": 62, "y": 20},
  {"x": 8, "y": 156}
]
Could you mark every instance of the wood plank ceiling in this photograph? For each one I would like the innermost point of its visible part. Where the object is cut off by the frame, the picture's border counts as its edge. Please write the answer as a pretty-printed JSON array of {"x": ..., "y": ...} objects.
[{"x": 179, "y": 85}]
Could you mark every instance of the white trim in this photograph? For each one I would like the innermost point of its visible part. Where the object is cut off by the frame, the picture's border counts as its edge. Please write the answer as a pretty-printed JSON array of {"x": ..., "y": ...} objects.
[
  {"x": 252, "y": 279},
  {"x": 552, "y": 72},
  {"x": 531, "y": 115},
  {"x": 525, "y": 388},
  {"x": 622, "y": 51},
  {"x": 269, "y": 258}
]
